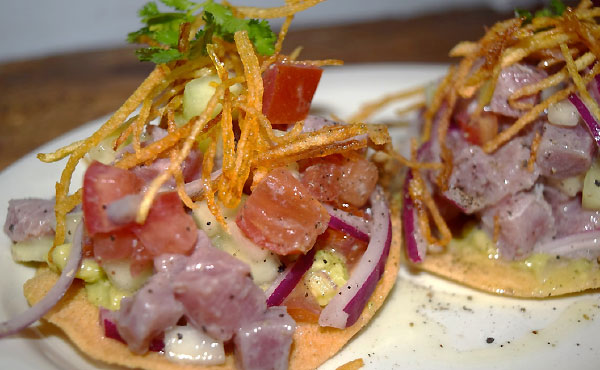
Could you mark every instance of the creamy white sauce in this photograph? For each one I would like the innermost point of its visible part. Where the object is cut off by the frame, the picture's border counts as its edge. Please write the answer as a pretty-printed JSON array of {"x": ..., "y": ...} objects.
[
  {"x": 185, "y": 344},
  {"x": 429, "y": 323}
]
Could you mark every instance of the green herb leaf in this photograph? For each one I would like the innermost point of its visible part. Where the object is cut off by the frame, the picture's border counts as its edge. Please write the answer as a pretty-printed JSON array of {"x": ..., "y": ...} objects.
[
  {"x": 149, "y": 10},
  {"x": 557, "y": 7},
  {"x": 522, "y": 13},
  {"x": 259, "y": 32},
  {"x": 134, "y": 37},
  {"x": 178, "y": 4},
  {"x": 544, "y": 13},
  {"x": 163, "y": 29},
  {"x": 261, "y": 35},
  {"x": 158, "y": 55}
]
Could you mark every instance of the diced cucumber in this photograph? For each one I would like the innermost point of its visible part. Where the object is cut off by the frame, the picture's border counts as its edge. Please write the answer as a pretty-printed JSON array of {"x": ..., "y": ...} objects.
[
  {"x": 570, "y": 186},
  {"x": 104, "y": 152},
  {"x": 35, "y": 250},
  {"x": 198, "y": 92},
  {"x": 590, "y": 198},
  {"x": 119, "y": 274}
]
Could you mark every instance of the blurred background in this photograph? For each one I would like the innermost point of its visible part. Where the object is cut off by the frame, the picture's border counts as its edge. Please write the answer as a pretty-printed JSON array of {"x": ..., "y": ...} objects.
[
  {"x": 31, "y": 28},
  {"x": 65, "y": 62}
]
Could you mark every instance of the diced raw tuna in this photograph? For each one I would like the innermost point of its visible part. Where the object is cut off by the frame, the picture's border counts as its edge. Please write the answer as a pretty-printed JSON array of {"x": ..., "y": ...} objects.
[
  {"x": 479, "y": 180},
  {"x": 339, "y": 180},
  {"x": 148, "y": 313},
  {"x": 524, "y": 220},
  {"x": 211, "y": 288},
  {"x": 29, "y": 219},
  {"x": 103, "y": 184},
  {"x": 281, "y": 214},
  {"x": 510, "y": 80},
  {"x": 265, "y": 343},
  {"x": 565, "y": 151},
  {"x": 190, "y": 168},
  {"x": 217, "y": 293},
  {"x": 571, "y": 218}
]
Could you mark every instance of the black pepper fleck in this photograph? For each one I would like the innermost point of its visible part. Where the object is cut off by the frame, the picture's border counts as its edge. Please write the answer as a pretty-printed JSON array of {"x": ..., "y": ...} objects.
[
  {"x": 489, "y": 340},
  {"x": 179, "y": 336}
]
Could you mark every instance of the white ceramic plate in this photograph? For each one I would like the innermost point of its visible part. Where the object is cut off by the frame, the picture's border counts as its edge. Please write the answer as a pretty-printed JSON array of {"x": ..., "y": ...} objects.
[{"x": 426, "y": 323}]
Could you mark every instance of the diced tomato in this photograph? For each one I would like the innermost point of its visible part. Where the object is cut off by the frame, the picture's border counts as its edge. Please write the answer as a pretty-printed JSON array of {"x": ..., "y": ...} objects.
[
  {"x": 477, "y": 131},
  {"x": 114, "y": 245},
  {"x": 103, "y": 184},
  {"x": 281, "y": 215},
  {"x": 301, "y": 305},
  {"x": 341, "y": 181},
  {"x": 288, "y": 91},
  {"x": 168, "y": 228}
]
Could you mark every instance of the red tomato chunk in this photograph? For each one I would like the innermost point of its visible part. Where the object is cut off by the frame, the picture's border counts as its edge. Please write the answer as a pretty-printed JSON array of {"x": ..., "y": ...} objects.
[
  {"x": 281, "y": 215},
  {"x": 168, "y": 228},
  {"x": 103, "y": 184},
  {"x": 288, "y": 91}
]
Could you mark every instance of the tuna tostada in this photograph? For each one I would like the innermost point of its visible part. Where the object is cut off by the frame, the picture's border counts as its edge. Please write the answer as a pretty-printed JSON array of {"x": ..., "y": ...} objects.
[
  {"x": 219, "y": 225},
  {"x": 504, "y": 191}
]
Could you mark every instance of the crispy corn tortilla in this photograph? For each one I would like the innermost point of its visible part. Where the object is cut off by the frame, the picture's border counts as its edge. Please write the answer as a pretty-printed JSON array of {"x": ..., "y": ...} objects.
[
  {"x": 496, "y": 276},
  {"x": 312, "y": 345}
]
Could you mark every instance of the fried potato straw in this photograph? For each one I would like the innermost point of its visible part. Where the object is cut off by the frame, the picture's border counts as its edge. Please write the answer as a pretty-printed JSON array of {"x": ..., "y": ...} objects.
[{"x": 249, "y": 155}]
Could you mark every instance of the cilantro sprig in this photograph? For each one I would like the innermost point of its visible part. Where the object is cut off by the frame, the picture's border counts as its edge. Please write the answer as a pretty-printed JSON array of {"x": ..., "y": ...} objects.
[
  {"x": 555, "y": 9},
  {"x": 162, "y": 29}
]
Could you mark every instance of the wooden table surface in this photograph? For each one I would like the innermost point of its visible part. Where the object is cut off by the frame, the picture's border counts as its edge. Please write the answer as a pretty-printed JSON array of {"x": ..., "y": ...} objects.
[{"x": 44, "y": 98}]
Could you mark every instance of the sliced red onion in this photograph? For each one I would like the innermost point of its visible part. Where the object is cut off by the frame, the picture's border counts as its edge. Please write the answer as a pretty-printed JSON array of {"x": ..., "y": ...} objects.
[
  {"x": 123, "y": 211},
  {"x": 355, "y": 226},
  {"x": 415, "y": 245},
  {"x": 196, "y": 187},
  {"x": 345, "y": 308},
  {"x": 111, "y": 331},
  {"x": 581, "y": 245},
  {"x": 587, "y": 117},
  {"x": 38, "y": 310},
  {"x": 286, "y": 281}
]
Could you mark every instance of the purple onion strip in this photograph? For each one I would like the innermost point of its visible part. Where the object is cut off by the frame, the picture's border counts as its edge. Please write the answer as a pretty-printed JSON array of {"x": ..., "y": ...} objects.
[
  {"x": 408, "y": 225},
  {"x": 350, "y": 227},
  {"x": 587, "y": 117},
  {"x": 288, "y": 280},
  {"x": 345, "y": 308},
  {"x": 38, "y": 310},
  {"x": 585, "y": 244}
]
